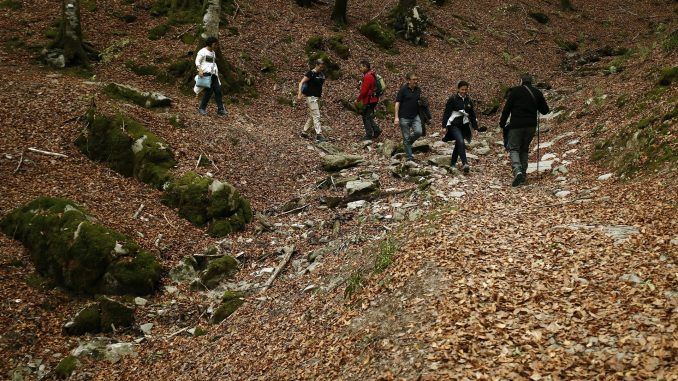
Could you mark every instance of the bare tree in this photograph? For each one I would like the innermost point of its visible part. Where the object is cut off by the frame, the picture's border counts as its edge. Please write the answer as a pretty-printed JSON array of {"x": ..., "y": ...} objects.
[
  {"x": 339, "y": 12},
  {"x": 69, "y": 49}
]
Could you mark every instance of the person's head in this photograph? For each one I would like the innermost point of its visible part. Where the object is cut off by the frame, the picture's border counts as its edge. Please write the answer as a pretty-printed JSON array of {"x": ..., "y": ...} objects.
[
  {"x": 462, "y": 88},
  {"x": 526, "y": 79},
  {"x": 319, "y": 64},
  {"x": 211, "y": 42},
  {"x": 412, "y": 80},
  {"x": 365, "y": 66}
]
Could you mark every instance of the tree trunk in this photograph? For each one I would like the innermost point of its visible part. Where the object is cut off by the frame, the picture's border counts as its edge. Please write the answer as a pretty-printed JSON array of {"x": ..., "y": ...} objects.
[
  {"x": 339, "y": 12},
  {"x": 69, "y": 46},
  {"x": 406, "y": 5}
]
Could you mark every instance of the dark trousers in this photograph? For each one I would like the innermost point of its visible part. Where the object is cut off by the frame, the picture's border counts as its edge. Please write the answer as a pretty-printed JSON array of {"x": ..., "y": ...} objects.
[
  {"x": 216, "y": 89},
  {"x": 519, "y": 140},
  {"x": 371, "y": 128},
  {"x": 459, "y": 145}
]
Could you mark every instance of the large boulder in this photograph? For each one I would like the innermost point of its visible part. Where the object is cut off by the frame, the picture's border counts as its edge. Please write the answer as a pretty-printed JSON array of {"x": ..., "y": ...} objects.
[
  {"x": 333, "y": 163},
  {"x": 358, "y": 188},
  {"x": 205, "y": 201},
  {"x": 68, "y": 247},
  {"x": 142, "y": 98},
  {"x": 128, "y": 148}
]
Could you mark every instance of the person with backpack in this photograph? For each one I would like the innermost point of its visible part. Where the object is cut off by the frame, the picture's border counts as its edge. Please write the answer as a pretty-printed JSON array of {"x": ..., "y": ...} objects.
[
  {"x": 522, "y": 105},
  {"x": 458, "y": 119},
  {"x": 311, "y": 86},
  {"x": 206, "y": 63},
  {"x": 407, "y": 113},
  {"x": 367, "y": 100}
]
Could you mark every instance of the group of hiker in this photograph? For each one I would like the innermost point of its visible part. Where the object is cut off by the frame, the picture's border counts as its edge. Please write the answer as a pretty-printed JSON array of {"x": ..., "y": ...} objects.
[{"x": 518, "y": 118}]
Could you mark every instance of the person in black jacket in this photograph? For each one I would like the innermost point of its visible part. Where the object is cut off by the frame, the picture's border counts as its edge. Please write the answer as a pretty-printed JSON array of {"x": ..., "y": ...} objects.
[
  {"x": 522, "y": 105},
  {"x": 459, "y": 117}
]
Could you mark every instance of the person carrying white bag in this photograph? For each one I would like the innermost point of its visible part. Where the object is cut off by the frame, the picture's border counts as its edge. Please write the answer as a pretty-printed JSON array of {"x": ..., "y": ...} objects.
[{"x": 208, "y": 77}]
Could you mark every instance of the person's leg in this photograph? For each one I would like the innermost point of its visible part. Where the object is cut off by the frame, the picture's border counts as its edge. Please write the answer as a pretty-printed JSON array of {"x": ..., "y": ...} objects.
[
  {"x": 207, "y": 94},
  {"x": 218, "y": 97},
  {"x": 514, "y": 142},
  {"x": 455, "y": 134},
  {"x": 309, "y": 120},
  {"x": 528, "y": 135},
  {"x": 367, "y": 122},
  {"x": 405, "y": 125},
  {"x": 375, "y": 128},
  {"x": 416, "y": 129},
  {"x": 314, "y": 112}
]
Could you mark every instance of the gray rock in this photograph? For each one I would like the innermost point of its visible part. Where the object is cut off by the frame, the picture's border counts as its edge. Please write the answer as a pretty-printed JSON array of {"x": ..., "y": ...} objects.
[
  {"x": 146, "y": 328},
  {"x": 388, "y": 148},
  {"x": 562, "y": 194},
  {"x": 484, "y": 150},
  {"x": 115, "y": 352},
  {"x": 332, "y": 163},
  {"x": 361, "y": 187},
  {"x": 560, "y": 169},
  {"x": 620, "y": 233},
  {"x": 356, "y": 204},
  {"x": 185, "y": 270},
  {"x": 548, "y": 156},
  {"x": 631, "y": 278},
  {"x": 457, "y": 194},
  {"x": 543, "y": 166},
  {"x": 140, "y": 301},
  {"x": 329, "y": 148},
  {"x": 605, "y": 177}
]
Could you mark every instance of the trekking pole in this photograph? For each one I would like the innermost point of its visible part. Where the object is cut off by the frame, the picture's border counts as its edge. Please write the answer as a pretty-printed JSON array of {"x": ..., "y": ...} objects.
[{"x": 538, "y": 146}]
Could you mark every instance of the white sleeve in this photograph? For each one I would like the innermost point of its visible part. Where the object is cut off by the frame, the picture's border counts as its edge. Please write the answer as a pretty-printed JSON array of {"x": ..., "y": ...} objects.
[{"x": 199, "y": 58}]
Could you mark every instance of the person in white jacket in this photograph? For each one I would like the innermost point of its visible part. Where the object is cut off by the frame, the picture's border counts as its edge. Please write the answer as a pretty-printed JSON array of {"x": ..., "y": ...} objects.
[{"x": 206, "y": 63}]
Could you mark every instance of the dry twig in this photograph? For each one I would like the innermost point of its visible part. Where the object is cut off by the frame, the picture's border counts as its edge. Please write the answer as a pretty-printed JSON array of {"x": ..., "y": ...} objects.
[{"x": 46, "y": 152}]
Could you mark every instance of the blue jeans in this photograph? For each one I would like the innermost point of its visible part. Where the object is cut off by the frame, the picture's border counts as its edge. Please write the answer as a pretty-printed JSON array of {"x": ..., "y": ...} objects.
[
  {"x": 216, "y": 89},
  {"x": 459, "y": 146},
  {"x": 411, "y": 129}
]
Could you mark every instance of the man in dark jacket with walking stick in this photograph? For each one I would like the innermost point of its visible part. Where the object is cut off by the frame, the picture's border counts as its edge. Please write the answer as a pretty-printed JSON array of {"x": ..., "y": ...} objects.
[{"x": 523, "y": 103}]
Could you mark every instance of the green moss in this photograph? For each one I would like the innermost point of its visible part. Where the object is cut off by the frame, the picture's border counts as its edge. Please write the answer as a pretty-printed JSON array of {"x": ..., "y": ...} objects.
[
  {"x": 378, "y": 34},
  {"x": 115, "y": 314},
  {"x": 177, "y": 122},
  {"x": 137, "y": 275},
  {"x": 354, "y": 283},
  {"x": 385, "y": 255},
  {"x": 670, "y": 44},
  {"x": 68, "y": 248},
  {"x": 218, "y": 270},
  {"x": 88, "y": 320},
  {"x": 332, "y": 68},
  {"x": 11, "y": 4},
  {"x": 230, "y": 302},
  {"x": 199, "y": 331},
  {"x": 267, "y": 65},
  {"x": 336, "y": 44},
  {"x": 568, "y": 46},
  {"x": 539, "y": 17},
  {"x": 180, "y": 68},
  {"x": 139, "y": 97},
  {"x": 668, "y": 75},
  {"x": 315, "y": 44},
  {"x": 66, "y": 366},
  {"x": 158, "y": 32},
  {"x": 149, "y": 70},
  {"x": 127, "y": 147}
]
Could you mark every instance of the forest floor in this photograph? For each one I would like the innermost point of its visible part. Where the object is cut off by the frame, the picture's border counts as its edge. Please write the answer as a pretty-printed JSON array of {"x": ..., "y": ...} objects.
[{"x": 568, "y": 277}]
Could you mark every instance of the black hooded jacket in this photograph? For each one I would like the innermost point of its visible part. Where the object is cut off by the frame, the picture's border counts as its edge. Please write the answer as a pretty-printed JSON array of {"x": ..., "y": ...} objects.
[
  {"x": 522, "y": 107},
  {"x": 456, "y": 103}
]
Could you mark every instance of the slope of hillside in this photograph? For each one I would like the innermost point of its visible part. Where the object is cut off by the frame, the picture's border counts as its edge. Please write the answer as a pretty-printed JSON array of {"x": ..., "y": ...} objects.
[{"x": 476, "y": 280}]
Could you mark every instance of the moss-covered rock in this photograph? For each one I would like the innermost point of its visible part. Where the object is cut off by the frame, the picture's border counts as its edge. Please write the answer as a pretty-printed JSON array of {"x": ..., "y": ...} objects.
[
  {"x": 86, "y": 320},
  {"x": 67, "y": 247},
  {"x": 142, "y": 98},
  {"x": 332, "y": 163},
  {"x": 230, "y": 302},
  {"x": 66, "y": 366},
  {"x": 218, "y": 270},
  {"x": 127, "y": 147},
  {"x": 205, "y": 201},
  {"x": 378, "y": 34},
  {"x": 115, "y": 314}
]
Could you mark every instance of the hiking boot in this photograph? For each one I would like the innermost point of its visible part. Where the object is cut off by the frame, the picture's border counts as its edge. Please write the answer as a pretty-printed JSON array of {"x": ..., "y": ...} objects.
[
  {"x": 305, "y": 135},
  {"x": 222, "y": 112},
  {"x": 467, "y": 169},
  {"x": 518, "y": 180},
  {"x": 202, "y": 112},
  {"x": 319, "y": 138}
]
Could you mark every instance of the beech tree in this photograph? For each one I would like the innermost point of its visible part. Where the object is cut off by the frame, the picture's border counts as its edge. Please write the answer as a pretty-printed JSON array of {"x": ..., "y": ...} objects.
[{"x": 339, "y": 12}]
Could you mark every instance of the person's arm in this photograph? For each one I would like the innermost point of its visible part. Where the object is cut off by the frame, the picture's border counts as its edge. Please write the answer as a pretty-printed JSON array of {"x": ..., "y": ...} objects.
[
  {"x": 301, "y": 83},
  {"x": 506, "y": 111},
  {"x": 198, "y": 62},
  {"x": 472, "y": 115},
  {"x": 396, "y": 119},
  {"x": 543, "y": 106},
  {"x": 448, "y": 111}
]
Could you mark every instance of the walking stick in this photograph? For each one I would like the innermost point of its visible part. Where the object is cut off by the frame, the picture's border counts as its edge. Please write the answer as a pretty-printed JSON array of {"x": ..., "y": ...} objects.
[{"x": 538, "y": 146}]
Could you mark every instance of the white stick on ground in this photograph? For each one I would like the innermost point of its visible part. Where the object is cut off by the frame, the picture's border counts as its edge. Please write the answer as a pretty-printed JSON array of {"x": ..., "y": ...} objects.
[
  {"x": 138, "y": 212},
  {"x": 46, "y": 152},
  {"x": 288, "y": 250}
]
